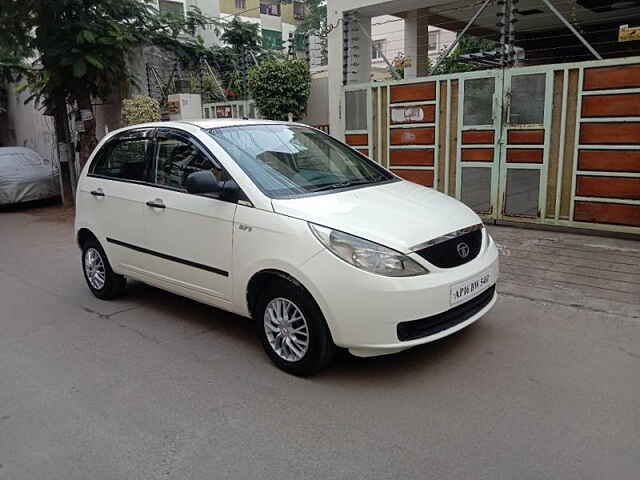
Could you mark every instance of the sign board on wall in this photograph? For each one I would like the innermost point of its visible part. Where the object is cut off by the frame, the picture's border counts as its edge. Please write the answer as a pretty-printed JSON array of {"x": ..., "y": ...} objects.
[
  {"x": 628, "y": 34},
  {"x": 173, "y": 106},
  {"x": 223, "y": 111}
]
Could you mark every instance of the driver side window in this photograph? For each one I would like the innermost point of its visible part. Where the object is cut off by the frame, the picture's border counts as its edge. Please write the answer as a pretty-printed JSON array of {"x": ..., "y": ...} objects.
[{"x": 176, "y": 158}]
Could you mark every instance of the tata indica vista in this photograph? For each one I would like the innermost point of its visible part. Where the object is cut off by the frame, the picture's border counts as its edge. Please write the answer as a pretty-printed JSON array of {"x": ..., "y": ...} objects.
[{"x": 281, "y": 223}]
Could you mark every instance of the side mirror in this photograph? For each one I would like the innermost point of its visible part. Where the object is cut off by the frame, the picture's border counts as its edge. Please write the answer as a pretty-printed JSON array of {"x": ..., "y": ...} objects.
[{"x": 202, "y": 182}]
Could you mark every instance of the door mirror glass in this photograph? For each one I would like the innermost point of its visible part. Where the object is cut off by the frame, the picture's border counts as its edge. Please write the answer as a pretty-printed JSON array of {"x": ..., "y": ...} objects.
[{"x": 202, "y": 182}]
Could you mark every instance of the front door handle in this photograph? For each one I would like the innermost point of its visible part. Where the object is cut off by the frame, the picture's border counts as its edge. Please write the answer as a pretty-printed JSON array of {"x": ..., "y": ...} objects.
[
  {"x": 157, "y": 203},
  {"x": 97, "y": 193}
]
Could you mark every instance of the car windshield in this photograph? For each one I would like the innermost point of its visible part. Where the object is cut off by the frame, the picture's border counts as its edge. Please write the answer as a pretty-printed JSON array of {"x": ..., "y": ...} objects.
[{"x": 288, "y": 161}]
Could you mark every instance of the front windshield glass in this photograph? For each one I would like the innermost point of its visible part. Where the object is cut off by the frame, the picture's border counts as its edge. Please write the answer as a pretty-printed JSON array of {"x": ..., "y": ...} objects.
[{"x": 287, "y": 161}]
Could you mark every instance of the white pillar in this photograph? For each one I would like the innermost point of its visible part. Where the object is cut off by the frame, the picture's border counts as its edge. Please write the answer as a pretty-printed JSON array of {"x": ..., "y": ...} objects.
[
  {"x": 416, "y": 42},
  {"x": 360, "y": 50},
  {"x": 335, "y": 54}
]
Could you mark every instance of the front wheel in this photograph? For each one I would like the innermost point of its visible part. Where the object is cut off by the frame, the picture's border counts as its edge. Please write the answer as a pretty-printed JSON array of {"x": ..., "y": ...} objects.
[
  {"x": 103, "y": 282},
  {"x": 293, "y": 330}
]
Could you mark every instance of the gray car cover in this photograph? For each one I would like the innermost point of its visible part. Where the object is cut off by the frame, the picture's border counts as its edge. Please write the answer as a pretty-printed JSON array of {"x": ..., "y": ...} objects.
[{"x": 26, "y": 176}]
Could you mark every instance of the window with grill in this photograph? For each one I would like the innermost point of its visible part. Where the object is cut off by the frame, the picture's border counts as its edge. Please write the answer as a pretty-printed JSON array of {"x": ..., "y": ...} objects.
[
  {"x": 271, "y": 39},
  {"x": 241, "y": 4},
  {"x": 270, "y": 9},
  {"x": 434, "y": 41},
  {"x": 298, "y": 10},
  {"x": 167, "y": 7},
  {"x": 377, "y": 49}
]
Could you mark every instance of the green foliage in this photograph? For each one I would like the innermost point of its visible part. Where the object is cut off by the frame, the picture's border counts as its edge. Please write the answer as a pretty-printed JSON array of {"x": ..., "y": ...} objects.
[
  {"x": 468, "y": 44},
  {"x": 82, "y": 45},
  {"x": 232, "y": 62},
  {"x": 400, "y": 62},
  {"x": 280, "y": 87},
  {"x": 241, "y": 35},
  {"x": 140, "y": 109},
  {"x": 315, "y": 18}
]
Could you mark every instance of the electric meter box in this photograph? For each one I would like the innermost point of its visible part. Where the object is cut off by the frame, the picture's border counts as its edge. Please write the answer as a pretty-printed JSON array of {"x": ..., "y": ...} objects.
[{"x": 185, "y": 106}]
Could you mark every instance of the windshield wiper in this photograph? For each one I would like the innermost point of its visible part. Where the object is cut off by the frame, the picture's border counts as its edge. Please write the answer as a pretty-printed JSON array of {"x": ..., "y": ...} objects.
[{"x": 344, "y": 184}]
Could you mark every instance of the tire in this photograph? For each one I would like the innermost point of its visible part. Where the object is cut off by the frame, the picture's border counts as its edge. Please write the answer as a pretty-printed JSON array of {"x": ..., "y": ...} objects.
[
  {"x": 113, "y": 284},
  {"x": 320, "y": 348}
]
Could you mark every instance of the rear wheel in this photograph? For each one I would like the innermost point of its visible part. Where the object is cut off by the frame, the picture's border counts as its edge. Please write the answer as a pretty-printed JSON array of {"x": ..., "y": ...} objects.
[
  {"x": 293, "y": 330},
  {"x": 103, "y": 282}
]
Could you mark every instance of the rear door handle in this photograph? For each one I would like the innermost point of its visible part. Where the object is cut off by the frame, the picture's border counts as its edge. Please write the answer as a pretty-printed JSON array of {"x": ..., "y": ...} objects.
[
  {"x": 157, "y": 203},
  {"x": 97, "y": 193}
]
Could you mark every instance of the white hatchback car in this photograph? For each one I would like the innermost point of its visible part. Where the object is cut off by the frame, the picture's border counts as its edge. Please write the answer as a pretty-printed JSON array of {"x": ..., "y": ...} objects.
[{"x": 282, "y": 223}]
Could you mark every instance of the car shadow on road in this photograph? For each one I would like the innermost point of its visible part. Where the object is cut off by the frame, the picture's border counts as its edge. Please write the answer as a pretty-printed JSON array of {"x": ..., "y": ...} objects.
[
  {"x": 30, "y": 206},
  {"x": 409, "y": 362},
  {"x": 188, "y": 318}
]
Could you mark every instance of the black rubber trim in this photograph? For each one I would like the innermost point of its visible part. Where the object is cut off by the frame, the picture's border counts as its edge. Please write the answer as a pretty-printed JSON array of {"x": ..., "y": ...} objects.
[
  {"x": 445, "y": 320},
  {"x": 169, "y": 257}
]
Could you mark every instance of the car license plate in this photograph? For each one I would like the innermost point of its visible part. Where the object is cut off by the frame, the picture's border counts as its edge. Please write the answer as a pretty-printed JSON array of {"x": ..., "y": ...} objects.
[{"x": 468, "y": 289}]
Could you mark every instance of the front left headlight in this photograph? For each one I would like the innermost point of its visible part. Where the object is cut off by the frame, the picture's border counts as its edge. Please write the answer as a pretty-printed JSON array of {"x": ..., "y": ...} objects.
[{"x": 366, "y": 255}]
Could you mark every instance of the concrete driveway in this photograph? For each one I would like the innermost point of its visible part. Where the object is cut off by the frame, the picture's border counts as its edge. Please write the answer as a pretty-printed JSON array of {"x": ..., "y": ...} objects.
[{"x": 155, "y": 386}]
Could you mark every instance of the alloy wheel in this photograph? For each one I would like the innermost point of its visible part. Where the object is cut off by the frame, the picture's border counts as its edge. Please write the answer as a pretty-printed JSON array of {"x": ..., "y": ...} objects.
[
  {"x": 286, "y": 329},
  {"x": 94, "y": 268}
]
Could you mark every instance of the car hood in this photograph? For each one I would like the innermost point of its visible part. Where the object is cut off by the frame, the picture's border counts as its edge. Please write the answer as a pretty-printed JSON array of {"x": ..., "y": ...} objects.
[{"x": 398, "y": 215}]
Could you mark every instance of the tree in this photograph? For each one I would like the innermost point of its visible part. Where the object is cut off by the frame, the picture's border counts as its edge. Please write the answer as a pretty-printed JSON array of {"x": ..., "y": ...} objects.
[
  {"x": 243, "y": 44},
  {"x": 315, "y": 18},
  {"x": 241, "y": 35},
  {"x": 280, "y": 87},
  {"x": 453, "y": 63},
  {"x": 80, "y": 49}
]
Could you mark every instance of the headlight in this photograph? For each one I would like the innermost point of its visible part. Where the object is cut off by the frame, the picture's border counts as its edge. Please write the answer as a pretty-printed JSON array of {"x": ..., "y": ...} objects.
[{"x": 367, "y": 255}]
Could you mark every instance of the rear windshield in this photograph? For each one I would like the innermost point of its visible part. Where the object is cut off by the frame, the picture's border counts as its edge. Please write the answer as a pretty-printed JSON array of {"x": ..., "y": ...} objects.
[{"x": 287, "y": 161}]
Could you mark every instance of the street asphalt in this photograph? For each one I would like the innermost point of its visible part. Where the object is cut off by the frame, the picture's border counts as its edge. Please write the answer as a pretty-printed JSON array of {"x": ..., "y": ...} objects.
[{"x": 154, "y": 386}]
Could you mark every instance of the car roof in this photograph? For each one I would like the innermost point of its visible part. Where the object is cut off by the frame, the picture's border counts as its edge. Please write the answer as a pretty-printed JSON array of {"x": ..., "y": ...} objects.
[
  {"x": 229, "y": 122},
  {"x": 208, "y": 123}
]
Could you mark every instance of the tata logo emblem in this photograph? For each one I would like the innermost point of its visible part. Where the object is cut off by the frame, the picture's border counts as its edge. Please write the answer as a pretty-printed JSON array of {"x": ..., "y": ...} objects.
[{"x": 463, "y": 250}]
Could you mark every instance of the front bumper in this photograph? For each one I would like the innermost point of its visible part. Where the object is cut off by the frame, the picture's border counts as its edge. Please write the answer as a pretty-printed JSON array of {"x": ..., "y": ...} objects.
[{"x": 368, "y": 313}]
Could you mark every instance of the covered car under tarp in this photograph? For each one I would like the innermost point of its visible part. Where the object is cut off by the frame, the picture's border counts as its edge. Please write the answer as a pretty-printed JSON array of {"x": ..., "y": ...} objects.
[{"x": 26, "y": 176}]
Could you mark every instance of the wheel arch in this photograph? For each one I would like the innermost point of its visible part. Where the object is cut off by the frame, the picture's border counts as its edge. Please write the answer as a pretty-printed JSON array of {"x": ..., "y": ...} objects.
[
  {"x": 83, "y": 235},
  {"x": 259, "y": 279}
]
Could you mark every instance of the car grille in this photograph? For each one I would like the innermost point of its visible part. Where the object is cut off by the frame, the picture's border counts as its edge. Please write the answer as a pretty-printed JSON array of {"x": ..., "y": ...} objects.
[
  {"x": 445, "y": 320},
  {"x": 451, "y": 253}
]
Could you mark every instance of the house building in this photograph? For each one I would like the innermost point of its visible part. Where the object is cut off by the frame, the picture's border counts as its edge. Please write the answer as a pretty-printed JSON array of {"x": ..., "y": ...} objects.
[
  {"x": 387, "y": 40},
  {"x": 278, "y": 21},
  {"x": 210, "y": 8}
]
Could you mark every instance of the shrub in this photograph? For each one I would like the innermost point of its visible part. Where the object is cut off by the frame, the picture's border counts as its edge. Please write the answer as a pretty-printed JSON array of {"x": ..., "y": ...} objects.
[
  {"x": 280, "y": 87},
  {"x": 140, "y": 109}
]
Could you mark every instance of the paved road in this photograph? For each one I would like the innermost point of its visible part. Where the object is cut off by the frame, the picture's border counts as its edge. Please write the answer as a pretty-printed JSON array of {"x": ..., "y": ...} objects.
[{"x": 158, "y": 387}]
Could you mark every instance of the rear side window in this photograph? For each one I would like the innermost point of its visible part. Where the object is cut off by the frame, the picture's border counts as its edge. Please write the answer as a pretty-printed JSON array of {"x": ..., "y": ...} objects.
[{"x": 124, "y": 159}]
